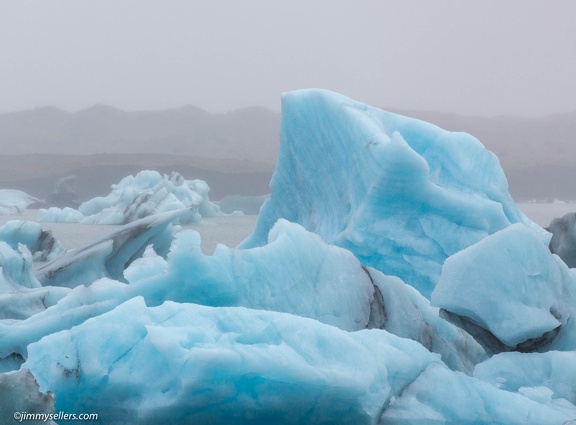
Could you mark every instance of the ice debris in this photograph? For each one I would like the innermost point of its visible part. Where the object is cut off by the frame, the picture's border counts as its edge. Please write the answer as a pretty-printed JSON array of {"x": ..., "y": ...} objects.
[{"x": 139, "y": 196}]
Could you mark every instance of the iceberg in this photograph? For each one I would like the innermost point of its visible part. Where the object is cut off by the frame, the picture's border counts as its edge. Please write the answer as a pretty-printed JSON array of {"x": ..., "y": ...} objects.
[
  {"x": 401, "y": 194},
  {"x": 139, "y": 196},
  {"x": 59, "y": 215},
  {"x": 440, "y": 396},
  {"x": 13, "y": 202},
  {"x": 200, "y": 364},
  {"x": 41, "y": 243},
  {"x": 21, "y": 295},
  {"x": 509, "y": 284},
  {"x": 551, "y": 373},
  {"x": 111, "y": 254},
  {"x": 321, "y": 282},
  {"x": 390, "y": 280}
]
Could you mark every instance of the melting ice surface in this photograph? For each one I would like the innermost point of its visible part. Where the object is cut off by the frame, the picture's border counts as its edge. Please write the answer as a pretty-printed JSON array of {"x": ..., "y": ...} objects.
[{"x": 323, "y": 315}]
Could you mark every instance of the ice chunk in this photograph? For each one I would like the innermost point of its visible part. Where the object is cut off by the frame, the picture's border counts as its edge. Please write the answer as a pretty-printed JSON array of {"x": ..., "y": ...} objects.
[
  {"x": 13, "y": 202},
  {"x": 298, "y": 273},
  {"x": 508, "y": 283},
  {"x": 16, "y": 268},
  {"x": 58, "y": 215},
  {"x": 553, "y": 370},
  {"x": 111, "y": 254},
  {"x": 409, "y": 315},
  {"x": 295, "y": 272},
  {"x": 21, "y": 295},
  {"x": 440, "y": 396},
  {"x": 42, "y": 245},
  {"x": 401, "y": 194},
  {"x": 185, "y": 363},
  {"x": 139, "y": 196}
]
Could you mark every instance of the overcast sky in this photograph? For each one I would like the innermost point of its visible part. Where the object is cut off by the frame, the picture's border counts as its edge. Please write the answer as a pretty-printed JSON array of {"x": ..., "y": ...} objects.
[{"x": 476, "y": 57}]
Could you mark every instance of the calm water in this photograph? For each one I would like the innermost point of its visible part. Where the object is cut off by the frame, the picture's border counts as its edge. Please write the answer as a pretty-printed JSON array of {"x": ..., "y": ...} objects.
[{"x": 230, "y": 231}]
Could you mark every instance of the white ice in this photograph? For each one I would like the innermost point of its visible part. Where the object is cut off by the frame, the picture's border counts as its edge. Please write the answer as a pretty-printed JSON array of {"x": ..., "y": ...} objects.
[{"x": 139, "y": 196}]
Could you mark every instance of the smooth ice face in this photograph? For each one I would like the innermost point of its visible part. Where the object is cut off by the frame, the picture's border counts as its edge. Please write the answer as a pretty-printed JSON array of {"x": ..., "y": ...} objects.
[
  {"x": 510, "y": 284},
  {"x": 185, "y": 363},
  {"x": 139, "y": 196},
  {"x": 401, "y": 194}
]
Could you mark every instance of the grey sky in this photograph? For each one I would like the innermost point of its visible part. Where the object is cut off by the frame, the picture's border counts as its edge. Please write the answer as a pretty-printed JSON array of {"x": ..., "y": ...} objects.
[{"x": 482, "y": 57}]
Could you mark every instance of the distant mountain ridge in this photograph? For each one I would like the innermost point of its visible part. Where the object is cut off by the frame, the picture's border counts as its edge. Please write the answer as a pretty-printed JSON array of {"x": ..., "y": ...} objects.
[
  {"x": 537, "y": 154},
  {"x": 250, "y": 133}
]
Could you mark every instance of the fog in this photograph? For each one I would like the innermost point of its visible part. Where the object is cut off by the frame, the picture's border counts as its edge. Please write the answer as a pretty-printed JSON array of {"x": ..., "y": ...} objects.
[
  {"x": 473, "y": 58},
  {"x": 194, "y": 86}
]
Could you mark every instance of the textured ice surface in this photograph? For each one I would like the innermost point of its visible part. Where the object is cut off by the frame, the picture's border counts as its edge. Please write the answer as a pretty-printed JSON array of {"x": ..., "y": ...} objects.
[
  {"x": 298, "y": 273},
  {"x": 508, "y": 283},
  {"x": 14, "y": 201},
  {"x": 295, "y": 273},
  {"x": 21, "y": 295},
  {"x": 409, "y": 315},
  {"x": 440, "y": 396},
  {"x": 111, "y": 254},
  {"x": 139, "y": 196},
  {"x": 401, "y": 194},
  {"x": 281, "y": 336},
  {"x": 532, "y": 372},
  {"x": 41, "y": 243},
  {"x": 185, "y": 363}
]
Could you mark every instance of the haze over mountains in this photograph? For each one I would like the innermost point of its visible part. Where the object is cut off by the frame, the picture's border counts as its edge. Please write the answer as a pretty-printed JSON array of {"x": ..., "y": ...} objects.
[{"x": 236, "y": 152}]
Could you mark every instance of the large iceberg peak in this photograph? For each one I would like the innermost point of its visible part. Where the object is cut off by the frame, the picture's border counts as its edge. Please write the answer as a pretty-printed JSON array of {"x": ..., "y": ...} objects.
[{"x": 400, "y": 193}]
